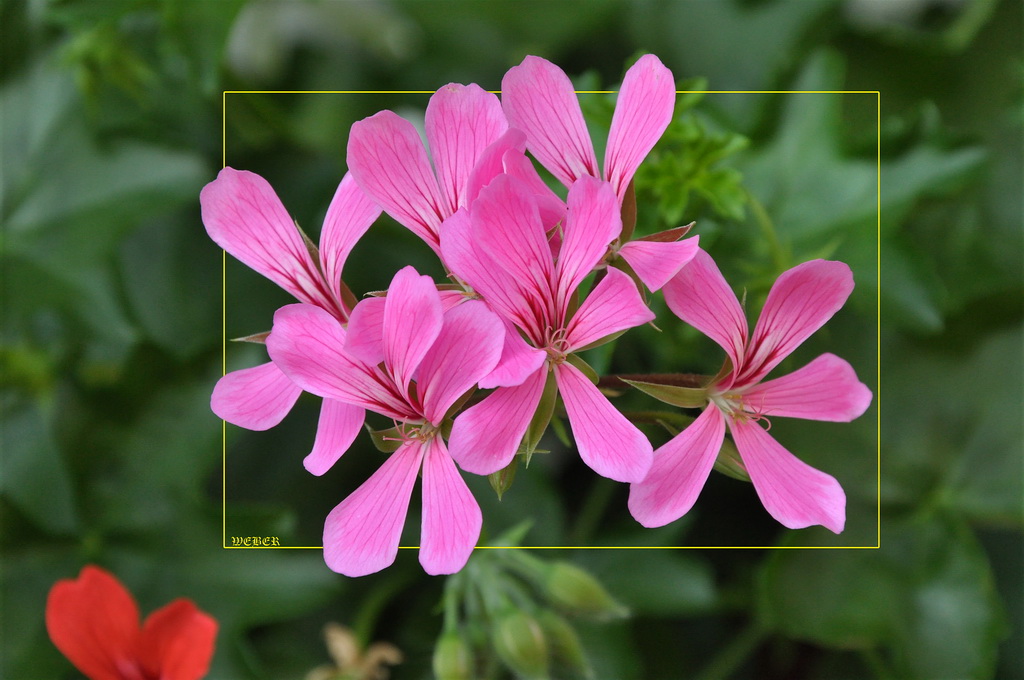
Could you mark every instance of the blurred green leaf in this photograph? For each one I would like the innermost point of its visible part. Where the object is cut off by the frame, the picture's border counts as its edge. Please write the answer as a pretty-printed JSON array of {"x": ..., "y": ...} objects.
[
  {"x": 659, "y": 583},
  {"x": 172, "y": 279},
  {"x": 35, "y": 477},
  {"x": 926, "y": 597}
]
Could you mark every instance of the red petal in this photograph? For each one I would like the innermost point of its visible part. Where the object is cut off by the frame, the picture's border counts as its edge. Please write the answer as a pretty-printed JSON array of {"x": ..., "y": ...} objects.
[
  {"x": 177, "y": 642},
  {"x": 94, "y": 622}
]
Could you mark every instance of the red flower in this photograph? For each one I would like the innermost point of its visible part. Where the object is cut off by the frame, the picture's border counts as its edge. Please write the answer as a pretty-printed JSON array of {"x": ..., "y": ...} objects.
[{"x": 94, "y": 622}]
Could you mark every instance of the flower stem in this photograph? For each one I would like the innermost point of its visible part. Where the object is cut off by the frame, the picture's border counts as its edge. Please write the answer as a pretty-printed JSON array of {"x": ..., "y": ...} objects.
[
  {"x": 678, "y": 379},
  {"x": 732, "y": 656}
]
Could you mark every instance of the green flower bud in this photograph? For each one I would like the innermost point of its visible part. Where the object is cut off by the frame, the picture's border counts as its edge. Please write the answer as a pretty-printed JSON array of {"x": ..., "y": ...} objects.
[
  {"x": 575, "y": 591},
  {"x": 519, "y": 642},
  {"x": 453, "y": 657},
  {"x": 566, "y": 650}
]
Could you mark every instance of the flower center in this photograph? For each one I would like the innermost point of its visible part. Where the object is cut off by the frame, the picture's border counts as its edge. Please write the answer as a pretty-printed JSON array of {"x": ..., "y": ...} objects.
[
  {"x": 556, "y": 345},
  {"x": 737, "y": 407}
]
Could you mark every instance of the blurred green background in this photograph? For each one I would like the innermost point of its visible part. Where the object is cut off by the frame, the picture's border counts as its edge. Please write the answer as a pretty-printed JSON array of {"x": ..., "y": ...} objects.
[{"x": 111, "y": 117}]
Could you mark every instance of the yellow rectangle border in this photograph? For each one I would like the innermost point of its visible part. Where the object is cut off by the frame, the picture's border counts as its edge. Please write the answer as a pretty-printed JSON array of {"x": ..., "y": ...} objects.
[{"x": 878, "y": 330}]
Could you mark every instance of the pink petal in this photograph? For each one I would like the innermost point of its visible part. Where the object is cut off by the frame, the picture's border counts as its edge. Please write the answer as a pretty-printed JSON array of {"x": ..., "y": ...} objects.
[
  {"x": 793, "y": 492},
  {"x": 614, "y": 305},
  {"x": 699, "y": 295},
  {"x": 552, "y": 209},
  {"x": 592, "y": 223},
  {"x": 245, "y": 217},
  {"x": 465, "y": 259},
  {"x": 349, "y": 216},
  {"x": 451, "y": 517},
  {"x": 799, "y": 303},
  {"x": 387, "y": 158},
  {"x": 507, "y": 228},
  {"x": 656, "y": 262},
  {"x": 611, "y": 445},
  {"x": 518, "y": 361},
  {"x": 467, "y": 348},
  {"x": 256, "y": 398},
  {"x": 643, "y": 111},
  {"x": 362, "y": 533},
  {"x": 337, "y": 429},
  {"x": 490, "y": 163},
  {"x": 485, "y": 436},
  {"x": 306, "y": 344},
  {"x": 538, "y": 98},
  {"x": 365, "y": 337},
  {"x": 412, "y": 320},
  {"x": 825, "y": 389},
  {"x": 680, "y": 469},
  {"x": 461, "y": 121}
]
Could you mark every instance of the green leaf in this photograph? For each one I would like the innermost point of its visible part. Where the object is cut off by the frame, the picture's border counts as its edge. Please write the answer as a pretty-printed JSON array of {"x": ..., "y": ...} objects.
[
  {"x": 926, "y": 597},
  {"x": 684, "y": 397},
  {"x": 35, "y": 477},
  {"x": 640, "y": 580}
]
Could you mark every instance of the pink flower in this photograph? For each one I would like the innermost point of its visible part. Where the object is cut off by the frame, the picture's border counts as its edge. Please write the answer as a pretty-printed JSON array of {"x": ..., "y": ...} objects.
[
  {"x": 446, "y": 353},
  {"x": 800, "y": 302},
  {"x": 538, "y": 99},
  {"x": 387, "y": 158},
  {"x": 245, "y": 217},
  {"x": 500, "y": 247},
  {"x": 94, "y": 622}
]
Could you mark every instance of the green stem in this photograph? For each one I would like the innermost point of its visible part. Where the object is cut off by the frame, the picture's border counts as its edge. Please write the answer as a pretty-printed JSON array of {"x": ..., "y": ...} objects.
[
  {"x": 877, "y": 664},
  {"x": 600, "y": 494},
  {"x": 732, "y": 656},
  {"x": 779, "y": 255},
  {"x": 365, "y": 621}
]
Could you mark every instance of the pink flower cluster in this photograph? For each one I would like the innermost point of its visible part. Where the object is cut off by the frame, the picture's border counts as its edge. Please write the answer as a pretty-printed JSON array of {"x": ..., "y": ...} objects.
[{"x": 510, "y": 319}]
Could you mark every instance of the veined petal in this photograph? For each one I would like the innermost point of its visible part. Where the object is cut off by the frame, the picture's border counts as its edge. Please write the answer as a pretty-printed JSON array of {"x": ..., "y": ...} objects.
[
  {"x": 656, "y": 262},
  {"x": 792, "y": 492},
  {"x": 256, "y": 398},
  {"x": 93, "y": 621},
  {"x": 611, "y": 445},
  {"x": 507, "y": 227},
  {"x": 245, "y": 217},
  {"x": 592, "y": 223},
  {"x": 348, "y": 217},
  {"x": 451, "y": 516},
  {"x": 642, "y": 112},
  {"x": 364, "y": 337},
  {"x": 412, "y": 320},
  {"x": 699, "y": 295},
  {"x": 498, "y": 288},
  {"x": 538, "y": 98},
  {"x": 680, "y": 469},
  {"x": 336, "y": 430},
  {"x": 490, "y": 163},
  {"x": 518, "y": 361},
  {"x": 614, "y": 305},
  {"x": 461, "y": 121},
  {"x": 552, "y": 209},
  {"x": 306, "y": 344},
  {"x": 387, "y": 158},
  {"x": 825, "y": 389},
  {"x": 177, "y": 642},
  {"x": 799, "y": 303},
  {"x": 485, "y": 436},
  {"x": 467, "y": 348},
  {"x": 362, "y": 533}
]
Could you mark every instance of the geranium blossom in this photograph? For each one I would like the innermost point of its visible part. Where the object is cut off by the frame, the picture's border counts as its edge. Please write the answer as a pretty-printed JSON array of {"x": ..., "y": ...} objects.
[
  {"x": 245, "y": 217},
  {"x": 423, "y": 360},
  {"x": 500, "y": 247},
  {"x": 800, "y": 302},
  {"x": 538, "y": 98},
  {"x": 387, "y": 158},
  {"x": 94, "y": 622}
]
